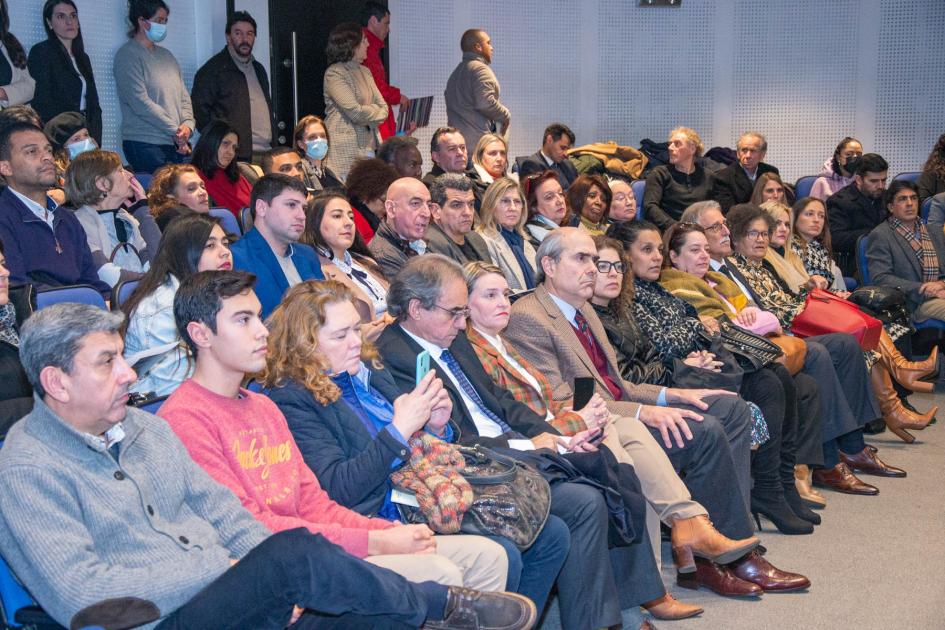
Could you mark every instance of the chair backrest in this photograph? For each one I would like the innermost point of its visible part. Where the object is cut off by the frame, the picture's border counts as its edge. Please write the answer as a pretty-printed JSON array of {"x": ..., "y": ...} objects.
[
  {"x": 144, "y": 179},
  {"x": 909, "y": 176},
  {"x": 228, "y": 219},
  {"x": 122, "y": 292},
  {"x": 246, "y": 219},
  {"x": 803, "y": 185},
  {"x": 81, "y": 293},
  {"x": 638, "y": 187},
  {"x": 925, "y": 209},
  {"x": 861, "y": 260}
]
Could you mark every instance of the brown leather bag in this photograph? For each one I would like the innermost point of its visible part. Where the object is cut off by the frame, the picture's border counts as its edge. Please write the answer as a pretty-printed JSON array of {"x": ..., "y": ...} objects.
[{"x": 795, "y": 351}]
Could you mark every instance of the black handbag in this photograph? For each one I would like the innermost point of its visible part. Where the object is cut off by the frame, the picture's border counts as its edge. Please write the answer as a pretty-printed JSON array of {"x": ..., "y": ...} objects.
[
  {"x": 510, "y": 499},
  {"x": 887, "y": 304},
  {"x": 752, "y": 351}
]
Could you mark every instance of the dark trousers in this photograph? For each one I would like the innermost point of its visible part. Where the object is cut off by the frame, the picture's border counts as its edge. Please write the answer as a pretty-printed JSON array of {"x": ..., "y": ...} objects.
[
  {"x": 809, "y": 423},
  {"x": 296, "y": 567},
  {"x": 715, "y": 465},
  {"x": 766, "y": 389},
  {"x": 145, "y": 157}
]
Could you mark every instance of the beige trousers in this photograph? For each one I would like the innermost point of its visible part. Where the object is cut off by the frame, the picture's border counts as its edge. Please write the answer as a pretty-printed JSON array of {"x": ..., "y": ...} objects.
[{"x": 460, "y": 560}]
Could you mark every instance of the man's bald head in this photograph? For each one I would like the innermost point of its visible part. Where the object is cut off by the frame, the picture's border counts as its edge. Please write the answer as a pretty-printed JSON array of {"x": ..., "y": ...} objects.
[
  {"x": 408, "y": 208},
  {"x": 467, "y": 43}
]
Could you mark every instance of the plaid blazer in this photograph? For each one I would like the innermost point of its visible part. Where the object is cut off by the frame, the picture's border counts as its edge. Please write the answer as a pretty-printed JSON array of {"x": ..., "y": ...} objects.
[{"x": 507, "y": 377}]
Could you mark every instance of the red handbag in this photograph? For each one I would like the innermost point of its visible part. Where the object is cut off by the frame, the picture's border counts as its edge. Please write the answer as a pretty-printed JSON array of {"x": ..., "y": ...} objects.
[{"x": 825, "y": 313}]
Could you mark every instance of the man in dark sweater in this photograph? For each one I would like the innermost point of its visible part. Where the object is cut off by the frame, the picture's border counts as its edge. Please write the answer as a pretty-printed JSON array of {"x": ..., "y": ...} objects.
[
  {"x": 45, "y": 244},
  {"x": 855, "y": 210},
  {"x": 451, "y": 233},
  {"x": 450, "y": 154},
  {"x": 735, "y": 183}
]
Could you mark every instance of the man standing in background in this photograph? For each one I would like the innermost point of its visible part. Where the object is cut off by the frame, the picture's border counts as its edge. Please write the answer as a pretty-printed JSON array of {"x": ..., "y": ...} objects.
[{"x": 375, "y": 18}]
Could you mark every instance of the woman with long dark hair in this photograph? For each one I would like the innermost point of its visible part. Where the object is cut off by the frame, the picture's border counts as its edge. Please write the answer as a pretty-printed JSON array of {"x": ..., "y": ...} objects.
[
  {"x": 932, "y": 180},
  {"x": 192, "y": 243},
  {"x": 215, "y": 160},
  {"x": 63, "y": 70},
  {"x": 16, "y": 84}
]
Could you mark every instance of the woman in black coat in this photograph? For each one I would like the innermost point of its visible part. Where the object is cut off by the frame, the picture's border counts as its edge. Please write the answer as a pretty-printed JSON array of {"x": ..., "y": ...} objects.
[
  {"x": 62, "y": 69},
  {"x": 16, "y": 395}
]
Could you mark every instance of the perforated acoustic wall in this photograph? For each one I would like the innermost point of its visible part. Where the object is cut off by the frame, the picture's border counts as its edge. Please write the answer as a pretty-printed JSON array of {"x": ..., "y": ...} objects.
[{"x": 803, "y": 72}]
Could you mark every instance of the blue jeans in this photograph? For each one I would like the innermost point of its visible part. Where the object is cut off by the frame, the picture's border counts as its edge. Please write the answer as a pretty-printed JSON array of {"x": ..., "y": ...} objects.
[
  {"x": 533, "y": 572},
  {"x": 145, "y": 157},
  {"x": 297, "y": 567}
]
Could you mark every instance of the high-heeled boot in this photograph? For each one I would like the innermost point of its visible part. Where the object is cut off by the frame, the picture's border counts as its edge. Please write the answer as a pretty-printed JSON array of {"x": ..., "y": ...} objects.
[
  {"x": 807, "y": 492},
  {"x": 907, "y": 373},
  {"x": 897, "y": 417}
]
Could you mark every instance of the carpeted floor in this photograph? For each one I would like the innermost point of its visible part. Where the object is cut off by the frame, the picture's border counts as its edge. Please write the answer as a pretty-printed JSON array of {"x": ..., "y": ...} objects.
[{"x": 874, "y": 562}]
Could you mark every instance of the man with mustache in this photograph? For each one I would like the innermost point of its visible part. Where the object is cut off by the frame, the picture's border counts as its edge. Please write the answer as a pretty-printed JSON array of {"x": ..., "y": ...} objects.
[
  {"x": 452, "y": 206},
  {"x": 233, "y": 86}
]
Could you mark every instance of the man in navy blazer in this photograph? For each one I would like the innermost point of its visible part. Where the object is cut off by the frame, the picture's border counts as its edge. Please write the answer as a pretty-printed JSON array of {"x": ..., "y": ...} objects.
[
  {"x": 553, "y": 155},
  {"x": 735, "y": 183},
  {"x": 271, "y": 249}
]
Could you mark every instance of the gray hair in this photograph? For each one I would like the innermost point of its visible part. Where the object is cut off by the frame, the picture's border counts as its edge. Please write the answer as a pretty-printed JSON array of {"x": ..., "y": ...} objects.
[
  {"x": 757, "y": 136},
  {"x": 52, "y": 336},
  {"x": 451, "y": 181},
  {"x": 421, "y": 279},
  {"x": 693, "y": 214},
  {"x": 551, "y": 247}
]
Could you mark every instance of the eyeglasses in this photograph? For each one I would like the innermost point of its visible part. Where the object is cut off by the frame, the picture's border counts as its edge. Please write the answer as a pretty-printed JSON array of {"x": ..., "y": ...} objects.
[
  {"x": 604, "y": 266},
  {"x": 717, "y": 227},
  {"x": 756, "y": 235},
  {"x": 622, "y": 198},
  {"x": 455, "y": 313}
]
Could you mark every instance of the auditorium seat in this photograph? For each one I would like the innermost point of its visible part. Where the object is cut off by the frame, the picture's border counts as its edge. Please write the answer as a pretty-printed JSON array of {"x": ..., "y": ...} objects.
[
  {"x": 144, "y": 179},
  {"x": 122, "y": 292},
  {"x": 81, "y": 293},
  {"x": 909, "y": 176},
  {"x": 639, "y": 187},
  {"x": 228, "y": 219},
  {"x": 802, "y": 186}
]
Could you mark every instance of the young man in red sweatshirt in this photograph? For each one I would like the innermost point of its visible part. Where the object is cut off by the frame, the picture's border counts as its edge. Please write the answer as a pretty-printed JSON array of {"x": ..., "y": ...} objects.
[{"x": 243, "y": 442}]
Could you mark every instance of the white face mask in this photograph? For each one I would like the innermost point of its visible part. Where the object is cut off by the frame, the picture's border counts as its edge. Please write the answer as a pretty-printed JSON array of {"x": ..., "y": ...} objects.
[{"x": 78, "y": 148}]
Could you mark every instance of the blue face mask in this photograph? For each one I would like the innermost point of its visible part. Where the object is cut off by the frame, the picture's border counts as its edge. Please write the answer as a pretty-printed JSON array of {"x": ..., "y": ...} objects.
[
  {"x": 317, "y": 148},
  {"x": 80, "y": 147},
  {"x": 157, "y": 32}
]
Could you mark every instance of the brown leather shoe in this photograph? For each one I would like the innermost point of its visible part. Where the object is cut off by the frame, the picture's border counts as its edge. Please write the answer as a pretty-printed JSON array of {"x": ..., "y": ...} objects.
[
  {"x": 718, "y": 579},
  {"x": 754, "y": 568},
  {"x": 696, "y": 537},
  {"x": 802, "y": 482},
  {"x": 868, "y": 463},
  {"x": 842, "y": 479},
  {"x": 467, "y": 608},
  {"x": 669, "y": 608}
]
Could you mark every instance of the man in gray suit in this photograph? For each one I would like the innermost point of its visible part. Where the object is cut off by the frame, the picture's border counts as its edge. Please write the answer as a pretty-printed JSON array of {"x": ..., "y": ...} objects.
[
  {"x": 452, "y": 204},
  {"x": 902, "y": 253}
]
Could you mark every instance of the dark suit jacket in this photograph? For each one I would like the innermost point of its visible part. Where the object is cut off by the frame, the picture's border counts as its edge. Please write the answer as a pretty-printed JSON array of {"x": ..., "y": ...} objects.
[
  {"x": 220, "y": 92},
  {"x": 399, "y": 352},
  {"x": 439, "y": 243},
  {"x": 892, "y": 262},
  {"x": 535, "y": 163},
  {"x": 851, "y": 215},
  {"x": 252, "y": 253},
  {"x": 732, "y": 185},
  {"x": 351, "y": 466},
  {"x": 59, "y": 88}
]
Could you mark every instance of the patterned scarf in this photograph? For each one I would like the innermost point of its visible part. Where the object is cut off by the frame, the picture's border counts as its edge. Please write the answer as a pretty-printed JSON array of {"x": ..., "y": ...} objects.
[
  {"x": 8, "y": 325},
  {"x": 774, "y": 297},
  {"x": 815, "y": 257},
  {"x": 921, "y": 243}
]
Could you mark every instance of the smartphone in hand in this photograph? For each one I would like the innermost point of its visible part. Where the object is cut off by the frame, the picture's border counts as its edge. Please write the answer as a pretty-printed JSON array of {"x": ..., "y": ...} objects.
[
  {"x": 583, "y": 390},
  {"x": 423, "y": 365}
]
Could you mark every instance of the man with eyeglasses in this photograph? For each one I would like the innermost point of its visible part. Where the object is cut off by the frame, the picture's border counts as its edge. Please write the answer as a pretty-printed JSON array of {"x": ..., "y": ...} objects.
[
  {"x": 709, "y": 215},
  {"x": 735, "y": 183},
  {"x": 400, "y": 237},
  {"x": 452, "y": 207},
  {"x": 902, "y": 253}
]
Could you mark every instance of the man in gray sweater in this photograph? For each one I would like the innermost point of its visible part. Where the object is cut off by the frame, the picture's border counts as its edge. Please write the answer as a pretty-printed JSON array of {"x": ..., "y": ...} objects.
[{"x": 101, "y": 501}]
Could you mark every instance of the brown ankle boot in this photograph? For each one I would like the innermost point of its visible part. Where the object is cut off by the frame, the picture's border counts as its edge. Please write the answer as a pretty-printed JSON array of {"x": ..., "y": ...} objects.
[
  {"x": 907, "y": 373},
  {"x": 804, "y": 488},
  {"x": 897, "y": 417},
  {"x": 696, "y": 536},
  {"x": 669, "y": 608}
]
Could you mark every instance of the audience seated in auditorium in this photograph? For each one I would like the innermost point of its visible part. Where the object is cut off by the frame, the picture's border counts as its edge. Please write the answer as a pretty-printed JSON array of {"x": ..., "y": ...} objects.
[
  {"x": 855, "y": 210},
  {"x": 62, "y": 69},
  {"x": 354, "y": 107},
  {"x": 400, "y": 236},
  {"x": 839, "y": 169},
  {"x": 472, "y": 91},
  {"x": 553, "y": 155},
  {"x": 546, "y": 205},
  {"x": 311, "y": 141},
  {"x": 271, "y": 249},
  {"x": 589, "y": 200},
  {"x": 375, "y": 24},
  {"x": 222, "y": 426},
  {"x": 18, "y": 85},
  {"x": 45, "y": 243},
  {"x": 329, "y": 228},
  {"x": 452, "y": 210},
  {"x": 902, "y": 253},
  {"x": 932, "y": 180},
  {"x": 367, "y": 184},
  {"x": 16, "y": 395},
  {"x": 215, "y": 161},
  {"x": 222, "y": 562},
  {"x": 734, "y": 183},
  {"x": 623, "y": 204},
  {"x": 812, "y": 246},
  {"x": 352, "y": 423},
  {"x": 234, "y": 87},
  {"x": 671, "y": 188},
  {"x": 176, "y": 189},
  {"x": 192, "y": 243},
  {"x": 123, "y": 242},
  {"x": 491, "y": 158},
  {"x": 402, "y": 153},
  {"x": 285, "y": 160},
  {"x": 502, "y": 226},
  {"x": 157, "y": 118}
]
